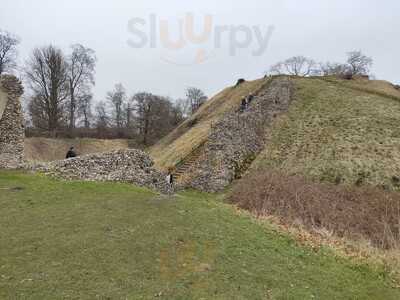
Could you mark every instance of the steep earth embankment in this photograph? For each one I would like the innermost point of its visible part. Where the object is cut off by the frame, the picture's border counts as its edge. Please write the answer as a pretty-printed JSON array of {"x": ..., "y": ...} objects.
[
  {"x": 175, "y": 147},
  {"x": 338, "y": 131}
]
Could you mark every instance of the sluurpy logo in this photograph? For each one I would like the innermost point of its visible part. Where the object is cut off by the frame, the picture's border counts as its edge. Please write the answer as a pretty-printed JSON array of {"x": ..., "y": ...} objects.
[{"x": 182, "y": 45}]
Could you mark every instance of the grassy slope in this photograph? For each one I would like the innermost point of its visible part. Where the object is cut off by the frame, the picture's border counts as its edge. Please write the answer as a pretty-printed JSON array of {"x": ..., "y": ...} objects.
[
  {"x": 380, "y": 87},
  {"x": 186, "y": 138},
  {"x": 110, "y": 241},
  {"x": 333, "y": 132},
  {"x": 42, "y": 149}
]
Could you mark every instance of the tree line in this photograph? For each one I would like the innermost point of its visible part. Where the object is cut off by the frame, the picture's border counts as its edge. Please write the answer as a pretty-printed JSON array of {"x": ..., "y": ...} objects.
[
  {"x": 60, "y": 100},
  {"x": 357, "y": 64}
]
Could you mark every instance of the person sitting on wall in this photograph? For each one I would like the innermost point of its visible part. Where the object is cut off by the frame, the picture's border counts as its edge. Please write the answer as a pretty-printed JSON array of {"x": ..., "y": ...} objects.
[{"x": 71, "y": 153}]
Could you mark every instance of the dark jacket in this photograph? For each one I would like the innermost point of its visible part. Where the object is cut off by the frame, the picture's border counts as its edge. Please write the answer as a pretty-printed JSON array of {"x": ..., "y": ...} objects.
[{"x": 70, "y": 154}]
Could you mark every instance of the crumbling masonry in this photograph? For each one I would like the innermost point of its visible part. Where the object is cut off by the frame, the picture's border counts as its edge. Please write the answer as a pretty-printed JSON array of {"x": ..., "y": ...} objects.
[
  {"x": 238, "y": 137},
  {"x": 129, "y": 166},
  {"x": 11, "y": 123}
]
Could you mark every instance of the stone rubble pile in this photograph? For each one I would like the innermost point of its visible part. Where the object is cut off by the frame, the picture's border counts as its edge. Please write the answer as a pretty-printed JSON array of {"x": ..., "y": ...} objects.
[
  {"x": 239, "y": 136},
  {"x": 12, "y": 132},
  {"x": 129, "y": 166}
]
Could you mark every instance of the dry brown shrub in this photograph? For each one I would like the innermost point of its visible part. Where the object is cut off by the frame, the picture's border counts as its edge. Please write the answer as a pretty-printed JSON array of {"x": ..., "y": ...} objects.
[{"x": 358, "y": 213}]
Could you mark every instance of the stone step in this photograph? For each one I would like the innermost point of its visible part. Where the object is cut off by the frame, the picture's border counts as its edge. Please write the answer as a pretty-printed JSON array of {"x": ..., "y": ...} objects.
[
  {"x": 181, "y": 171},
  {"x": 185, "y": 167}
]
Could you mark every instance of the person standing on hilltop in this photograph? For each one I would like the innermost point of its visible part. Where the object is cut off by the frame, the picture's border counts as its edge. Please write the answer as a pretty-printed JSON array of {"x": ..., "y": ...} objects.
[{"x": 71, "y": 153}]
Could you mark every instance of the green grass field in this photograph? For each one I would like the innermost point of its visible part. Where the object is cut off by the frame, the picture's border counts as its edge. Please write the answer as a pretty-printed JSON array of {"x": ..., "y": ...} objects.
[{"x": 72, "y": 240}]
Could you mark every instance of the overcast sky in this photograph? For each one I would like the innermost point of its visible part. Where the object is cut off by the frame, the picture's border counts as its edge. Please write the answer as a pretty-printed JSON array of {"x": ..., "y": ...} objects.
[{"x": 323, "y": 30}]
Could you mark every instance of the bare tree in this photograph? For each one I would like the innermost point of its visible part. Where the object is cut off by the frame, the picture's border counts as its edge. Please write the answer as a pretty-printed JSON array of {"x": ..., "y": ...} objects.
[
  {"x": 129, "y": 109},
  {"x": 46, "y": 74},
  {"x": 177, "y": 115},
  {"x": 117, "y": 98},
  {"x": 85, "y": 108},
  {"x": 328, "y": 69},
  {"x": 359, "y": 63},
  {"x": 297, "y": 66},
  {"x": 8, "y": 51},
  {"x": 144, "y": 103},
  {"x": 194, "y": 99},
  {"x": 156, "y": 116},
  {"x": 277, "y": 69},
  {"x": 37, "y": 114},
  {"x": 81, "y": 69},
  {"x": 102, "y": 117},
  {"x": 183, "y": 107}
]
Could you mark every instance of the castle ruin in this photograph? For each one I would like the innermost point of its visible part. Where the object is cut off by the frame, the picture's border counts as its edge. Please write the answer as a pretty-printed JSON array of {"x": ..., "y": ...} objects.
[{"x": 11, "y": 123}]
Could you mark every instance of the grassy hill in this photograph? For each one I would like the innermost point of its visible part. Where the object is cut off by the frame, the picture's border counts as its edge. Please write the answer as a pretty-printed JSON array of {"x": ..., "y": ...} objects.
[
  {"x": 43, "y": 149},
  {"x": 339, "y": 131},
  {"x": 74, "y": 240}
]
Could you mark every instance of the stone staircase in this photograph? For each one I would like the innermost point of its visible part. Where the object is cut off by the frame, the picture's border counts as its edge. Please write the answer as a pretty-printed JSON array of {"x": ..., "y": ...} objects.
[{"x": 186, "y": 164}]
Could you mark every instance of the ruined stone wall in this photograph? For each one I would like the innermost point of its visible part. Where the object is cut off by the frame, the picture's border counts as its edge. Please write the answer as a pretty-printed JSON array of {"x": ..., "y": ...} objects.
[
  {"x": 129, "y": 166},
  {"x": 11, "y": 123},
  {"x": 239, "y": 137}
]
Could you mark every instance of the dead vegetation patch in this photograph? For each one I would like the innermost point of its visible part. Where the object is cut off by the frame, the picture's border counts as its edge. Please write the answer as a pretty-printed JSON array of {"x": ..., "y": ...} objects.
[{"x": 356, "y": 213}]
